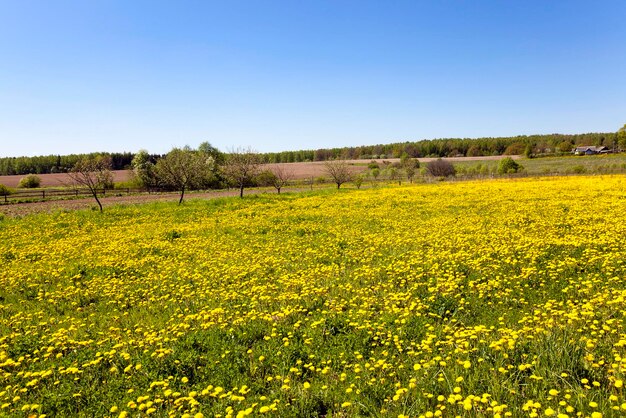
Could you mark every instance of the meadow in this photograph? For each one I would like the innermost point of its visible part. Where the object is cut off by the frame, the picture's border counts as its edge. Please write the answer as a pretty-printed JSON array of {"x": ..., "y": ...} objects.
[{"x": 494, "y": 298}]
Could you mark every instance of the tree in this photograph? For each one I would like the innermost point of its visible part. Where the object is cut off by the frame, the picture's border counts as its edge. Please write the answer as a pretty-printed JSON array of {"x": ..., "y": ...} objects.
[
  {"x": 410, "y": 173},
  {"x": 182, "y": 169},
  {"x": 621, "y": 138},
  {"x": 94, "y": 173},
  {"x": 144, "y": 169},
  {"x": 508, "y": 166},
  {"x": 339, "y": 171},
  {"x": 277, "y": 177},
  {"x": 410, "y": 167},
  {"x": 440, "y": 168},
  {"x": 241, "y": 166},
  {"x": 211, "y": 152},
  {"x": 358, "y": 181}
]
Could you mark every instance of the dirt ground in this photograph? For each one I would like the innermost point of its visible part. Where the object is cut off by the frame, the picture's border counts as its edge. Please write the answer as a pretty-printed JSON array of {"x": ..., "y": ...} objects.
[
  {"x": 300, "y": 171},
  {"x": 21, "y": 209}
]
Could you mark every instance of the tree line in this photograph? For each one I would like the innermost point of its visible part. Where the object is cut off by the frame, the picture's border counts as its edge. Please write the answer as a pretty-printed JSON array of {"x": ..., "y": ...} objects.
[
  {"x": 49, "y": 164},
  {"x": 529, "y": 145}
]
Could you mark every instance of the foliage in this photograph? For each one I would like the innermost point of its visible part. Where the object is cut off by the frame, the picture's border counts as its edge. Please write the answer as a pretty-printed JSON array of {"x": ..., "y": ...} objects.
[
  {"x": 372, "y": 165},
  {"x": 31, "y": 181},
  {"x": 46, "y": 164},
  {"x": 5, "y": 191},
  {"x": 144, "y": 170},
  {"x": 322, "y": 304},
  {"x": 241, "y": 167},
  {"x": 440, "y": 168},
  {"x": 449, "y": 147},
  {"x": 183, "y": 169},
  {"x": 358, "y": 181},
  {"x": 508, "y": 166},
  {"x": 621, "y": 137}
]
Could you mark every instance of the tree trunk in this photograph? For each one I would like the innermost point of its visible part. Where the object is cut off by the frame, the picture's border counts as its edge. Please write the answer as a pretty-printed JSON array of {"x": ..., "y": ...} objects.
[
  {"x": 338, "y": 186},
  {"x": 278, "y": 189},
  {"x": 95, "y": 195},
  {"x": 182, "y": 194},
  {"x": 241, "y": 191}
]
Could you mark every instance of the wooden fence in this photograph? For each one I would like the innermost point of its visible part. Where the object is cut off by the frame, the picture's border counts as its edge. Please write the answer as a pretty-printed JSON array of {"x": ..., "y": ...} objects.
[{"x": 45, "y": 194}]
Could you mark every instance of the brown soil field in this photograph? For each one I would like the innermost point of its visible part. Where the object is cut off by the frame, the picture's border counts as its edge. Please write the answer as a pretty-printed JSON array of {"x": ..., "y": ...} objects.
[
  {"x": 300, "y": 171},
  {"x": 57, "y": 180}
]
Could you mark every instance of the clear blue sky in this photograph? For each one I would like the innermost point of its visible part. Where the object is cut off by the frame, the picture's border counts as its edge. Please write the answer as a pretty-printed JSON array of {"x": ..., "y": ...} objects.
[{"x": 83, "y": 76}]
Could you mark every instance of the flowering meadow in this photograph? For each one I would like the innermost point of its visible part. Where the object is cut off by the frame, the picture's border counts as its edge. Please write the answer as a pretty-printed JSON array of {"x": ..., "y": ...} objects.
[{"x": 487, "y": 299}]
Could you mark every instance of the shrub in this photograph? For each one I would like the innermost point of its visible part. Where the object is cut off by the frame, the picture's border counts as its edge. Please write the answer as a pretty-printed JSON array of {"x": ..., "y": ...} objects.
[
  {"x": 4, "y": 190},
  {"x": 358, "y": 181},
  {"x": 440, "y": 168},
  {"x": 31, "y": 181},
  {"x": 579, "y": 169},
  {"x": 508, "y": 166}
]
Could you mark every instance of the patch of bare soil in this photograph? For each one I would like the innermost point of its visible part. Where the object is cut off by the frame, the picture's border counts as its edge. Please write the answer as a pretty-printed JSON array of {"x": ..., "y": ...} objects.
[
  {"x": 58, "y": 179},
  {"x": 21, "y": 209}
]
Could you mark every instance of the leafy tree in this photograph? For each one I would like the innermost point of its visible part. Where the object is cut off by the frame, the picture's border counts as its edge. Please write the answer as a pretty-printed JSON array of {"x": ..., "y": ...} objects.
[
  {"x": 508, "y": 166},
  {"x": 182, "y": 169},
  {"x": 410, "y": 173},
  {"x": 339, "y": 171},
  {"x": 31, "y": 181},
  {"x": 4, "y": 190},
  {"x": 621, "y": 137},
  {"x": 440, "y": 168},
  {"x": 144, "y": 169},
  {"x": 94, "y": 173},
  {"x": 211, "y": 152},
  {"x": 241, "y": 166},
  {"x": 358, "y": 181},
  {"x": 564, "y": 146},
  {"x": 410, "y": 166},
  {"x": 394, "y": 174}
]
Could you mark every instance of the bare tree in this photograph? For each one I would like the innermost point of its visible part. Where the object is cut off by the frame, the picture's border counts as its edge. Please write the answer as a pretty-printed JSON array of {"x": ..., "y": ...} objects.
[
  {"x": 281, "y": 175},
  {"x": 339, "y": 171},
  {"x": 182, "y": 169},
  {"x": 94, "y": 173},
  {"x": 241, "y": 166},
  {"x": 440, "y": 168}
]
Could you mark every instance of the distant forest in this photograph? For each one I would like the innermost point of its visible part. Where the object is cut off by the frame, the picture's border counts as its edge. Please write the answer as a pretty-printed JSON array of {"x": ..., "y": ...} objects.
[{"x": 451, "y": 147}]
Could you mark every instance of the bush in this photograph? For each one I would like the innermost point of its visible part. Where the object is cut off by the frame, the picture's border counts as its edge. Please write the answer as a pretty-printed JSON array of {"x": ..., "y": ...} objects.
[
  {"x": 440, "y": 168},
  {"x": 4, "y": 190},
  {"x": 508, "y": 166},
  {"x": 31, "y": 181}
]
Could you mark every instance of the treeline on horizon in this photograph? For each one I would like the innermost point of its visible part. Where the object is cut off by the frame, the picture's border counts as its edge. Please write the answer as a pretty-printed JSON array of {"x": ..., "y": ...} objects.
[{"x": 529, "y": 145}]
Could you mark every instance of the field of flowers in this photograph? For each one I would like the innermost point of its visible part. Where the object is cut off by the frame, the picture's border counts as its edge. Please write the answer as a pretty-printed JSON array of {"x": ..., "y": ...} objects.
[{"x": 493, "y": 298}]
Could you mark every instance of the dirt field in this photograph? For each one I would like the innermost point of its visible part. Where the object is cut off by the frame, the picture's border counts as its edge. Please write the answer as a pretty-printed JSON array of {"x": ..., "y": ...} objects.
[
  {"x": 300, "y": 171},
  {"x": 21, "y": 209}
]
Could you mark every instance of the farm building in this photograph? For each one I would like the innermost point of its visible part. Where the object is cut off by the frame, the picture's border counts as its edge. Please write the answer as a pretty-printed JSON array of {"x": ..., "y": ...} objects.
[{"x": 591, "y": 150}]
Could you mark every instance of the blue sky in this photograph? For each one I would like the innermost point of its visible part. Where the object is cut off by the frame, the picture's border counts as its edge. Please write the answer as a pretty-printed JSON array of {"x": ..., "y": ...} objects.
[{"x": 83, "y": 76}]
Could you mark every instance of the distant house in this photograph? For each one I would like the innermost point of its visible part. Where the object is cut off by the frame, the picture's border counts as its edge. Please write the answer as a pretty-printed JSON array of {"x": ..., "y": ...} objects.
[{"x": 590, "y": 150}]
